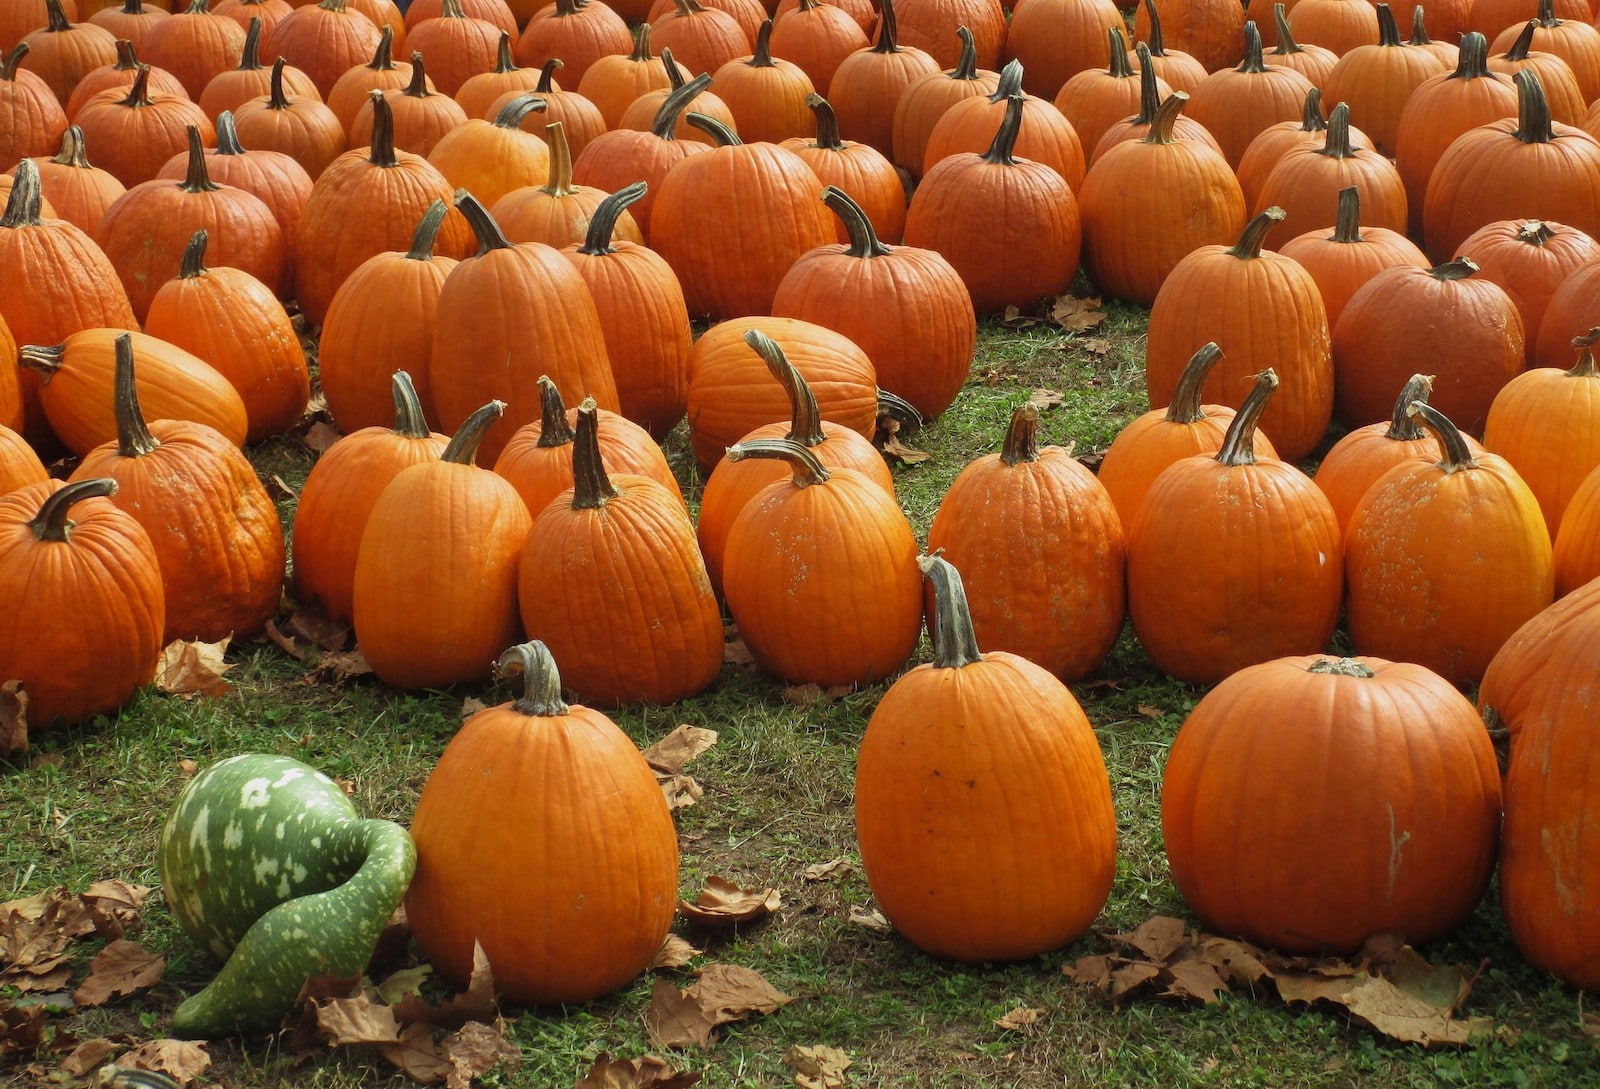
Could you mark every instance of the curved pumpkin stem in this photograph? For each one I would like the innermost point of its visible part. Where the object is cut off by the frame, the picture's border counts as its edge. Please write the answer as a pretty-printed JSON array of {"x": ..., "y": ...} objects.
[
  {"x": 198, "y": 178},
  {"x": 1185, "y": 407},
  {"x": 547, "y": 76},
  {"x": 1119, "y": 68},
  {"x": 553, "y": 427},
  {"x": 1022, "y": 436},
  {"x": 1347, "y": 227},
  {"x": 427, "y": 232},
  {"x": 560, "y": 183},
  {"x": 277, "y": 97},
  {"x": 418, "y": 87},
  {"x": 133, "y": 433},
  {"x": 761, "y": 55},
  {"x": 72, "y": 152},
  {"x": 1010, "y": 82},
  {"x": 1253, "y": 64},
  {"x": 382, "y": 146},
  {"x": 967, "y": 64},
  {"x": 42, "y": 359},
  {"x": 1238, "y": 445},
  {"x": 955, "y": 643},
  {"x": 1005, "y": 140},
  {"x": 888, "y": 30},
  {"x": 1166, "y": 116},
  {"x": 603, "y": 223},
  {"x": 512, "y": 113},
  {"x": 1533, "y": 109},
  {"x": 891, "y": 406},
  {"x": 1452, "y": 444},
  {"x": 52, "y": 523},
  {"x": 1156, "y": 44},
  {"x": 56, "y": 17},
  {"x": 533, "y": 665},
  {"x": 721, "y": 133},
  {"x": 1311, "y": 119},
  {"x": 641, "y": 45},
  {"x": 1337, "y": 143},
  {"x": 1585, "y": 366},
  {"x": 27, "y": 198},
  {"x": 1458, "y": 269},
  {"x": 666, "y": 121},
  {"x": 805, "y": 418},
  {"x": 1524, "y": 44},
  {"x": 807, "y": 469},
  {"x": 1255, "y": 233},
  {"x": 13, "y": 60},
  {"x": 1402, "y": 428},
  {"x": 827, "y": 123},
  {"x": 227, "y": 135},
  {"x": 193, "y": 264},
  {"x": 1419, "y": 28},
  {"x": 250, "y": 58},
  {"x": 409, "y": 421},
  {"x": 488, "y": 232},
  {"x": 592, "y": 488},
  {"x": 863, "y": 239},
  {"x": 1388, "y": 29},
  {"x": 138, "y": 95},
  {"x": 463, "y": 447},
  {"x": 504, "y": 62},
  {"x": 1149, "y": 90},
  {"x": 1286, "y": 42}
]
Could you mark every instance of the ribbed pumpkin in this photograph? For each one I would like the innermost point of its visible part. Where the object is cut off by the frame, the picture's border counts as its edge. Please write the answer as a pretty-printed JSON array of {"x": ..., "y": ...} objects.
[
  {"x": 926, "y": 98},
  {"x": 131, "y": 20},
  {"x": 987, "y": 744},
  {"x": 703, "y": 39},
  {"x": 1057, "y": 40},
  {"x": 478, "y": 94},
  {"x": 643, "y": 112},
  {"x": 382, "y": 73},
  {"x": 12, "y": 408},
  {"x": 31, "y": 120},
  {"x": 62, "y": 52},
  {"x": 575, "y": 903},
  {"x": 1340, "y": 25},
  {"x": 492, "y": 158},
  {"x": 927, "y": 24},
  {"x": 1045, "y": 136},
  {"x": 766, "y": 95},
  {"x": 325, "y": 40},
  {"x": 1263, "y": 309},
  {"x": 215, "y": 530},
  {"x": 1307, "y": 179},
  {"x": 1546, "y": 423},
  {"x": 1206, "y": 38},
  {"x": 230, "y": 89},
  {"x": 422, "y": 116},
  {"x": 23, "y": 16},
  {"x": 867, "y": 84},
  {"x": 820, "y": 573},
  {"x": 1531, "y": 673},
  {"x": 436, "y": 572},
  {"x": 506, "y": 315},
  {"x": 1561, "y": 91},
  {"x": 456, "y": 45},
  {"x": 65, "y": 551},
  {"x": 1233, "y": 560},
  {"x": 79, "y": 191},
  {"x": 1573, "y": 39},
  {"x": 120, "y": 76},
  {"x": 1376, "y": 80},
  {"x": 1577, "y": 541},
  {"x": 1467, "y": 325},
  {"x": 270, "y": 12},
  {"x": 643, "y": 314},
  {"x": 580, "y": 117},
  {"x": 1154, "y": 440},
  {"x": 1403, "y": 780},
  {"x": 558, "y": 212},
  {"x": 1094, "y": 99},
  {"x": 1445, "y": 559},
  {"x": 232, "y": 320},
  {"x": 78, "y": 381},
  {"x": 296, "y": 124},
  {"x": 859, "y": 169},
  {"x": 196, "y": 45},
  {"x": 818, "y": 37},
  {"x": 1343, "y": 261},
  {"x": 19, "y": 465},
  {"x": 1030, "y": 251},
  {"x": 1043, "y": 547},
  {"x": 612, "y": 580},
  {"x": 498, "y": 12},
  {"x": 1235, "y": 104},
  {"x": 613, "y": 82},
  {"x": 340, "y": 492},
  {"x": 135, "y": 133},
  {"x": 1447, "y": 51},
  {"x": 1311, "y": 60},
  {"x": 1531, "y": 259},
  {"x": 1277, "y": 140}
]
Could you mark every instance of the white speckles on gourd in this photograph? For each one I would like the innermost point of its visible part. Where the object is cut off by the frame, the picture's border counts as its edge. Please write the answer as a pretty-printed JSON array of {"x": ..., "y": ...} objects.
[
  {"x": 233, "y": 835},
  {"x": 289, "y": 775},
  {"x": 266, "y": 869},
  {"x": 256, "y": 794}
]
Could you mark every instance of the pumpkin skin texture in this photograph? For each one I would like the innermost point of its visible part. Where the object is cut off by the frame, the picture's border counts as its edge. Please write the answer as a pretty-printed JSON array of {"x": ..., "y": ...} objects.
[
  {"x": 1447, "y": 605},
  {"x": 1206, "y": 30},
  {"x": 926, "y": 98},
  {"x": 1577, "y": 544},
  {"x": 1342, "y": 262},
  {"x": 1531, "y": 259},
  {"x": 857, "y": 168},
  {"x": 993, "y": 747},
  {"x": 1376, "y": 80},
  {"x": 1046, "y": 136},
  {"x": 577, "y": 901},
  {"x": 1236, "y": 104},
  {"x": 1044, "y": 546},
  {"x": 67, "y": 552},
  {"x": 1403, "y": 779},
  {"x": 866, "y": 86},
  {"x": 19, "y": 465},
  {"x": 820, "y": 573},
  {"x": 1269, "y": 580}
]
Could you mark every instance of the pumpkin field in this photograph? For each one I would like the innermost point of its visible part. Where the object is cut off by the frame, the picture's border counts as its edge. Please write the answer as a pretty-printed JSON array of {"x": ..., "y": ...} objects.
[{"x": 822, "y": 542}]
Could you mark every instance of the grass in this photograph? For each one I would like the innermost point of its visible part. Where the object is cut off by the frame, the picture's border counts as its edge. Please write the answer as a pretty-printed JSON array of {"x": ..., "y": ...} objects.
[{"x": 87, "y": 803}]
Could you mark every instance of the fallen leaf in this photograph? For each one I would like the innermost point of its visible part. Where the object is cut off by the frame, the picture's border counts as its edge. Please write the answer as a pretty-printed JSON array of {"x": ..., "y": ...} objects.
[
  {"x": 346, "y": 1022},
  {"x": 1095, "y": 346},
  {"x": 1192, "y": 977},
  {"x": 810, "y": 693},
  {"x": 649, "y": 1072},
  {"x": 823, "y": 871},
  {"x": 122, "y": 967},
  {"x": 1021, "y": 1019},
  {"x": 1077, "y": 315},
  {"x": 187, "y": 768},
  {"x": 286, "y": 642},
  {"x": 181, "y": 1060},
  {"x": 40, "y": 977},
  {"x": 722, "y": 903},
  {"x": 674, "y": 1019},
  {"x": 280, "y": 489},
  {"x": 334, "y": 667},
  {"x": 475, "y": 1049},
  {"x": 1092, "y": 971},
  {"x": 417, "y": 1056},
  {"x": 319, "y": 436},
  {"x": 1157, "y": 938},
  {"x": 1149, "y": 711},
  {"x": 735, "y": 992},
  {"x": 21, "y": 1029},
  {"x": 87, "y": 1057},
  {"x": 680, "y": 791},
  {"x": 889, "y": 442},
  {"x": 406, "y": 983},
  {"x": 734, "y": 652},
  {"x": 674, "y": 752},
  {"x": 193, "y": 668},
  {"x": 476, "y": 1003},
  {"x": 1046, "y": 398},
  {"x": 871, "y": 918},
  {"x": 817, "y": 1066},
  {"x": 675, "y": 952},
  {"x": 1013, "y": 318},
  {"x": 313, "y": 625},
  {"x": 13, "y": 718},
  {"x": 471, "y": 706},
  {"x": 1235, "y": 961}
]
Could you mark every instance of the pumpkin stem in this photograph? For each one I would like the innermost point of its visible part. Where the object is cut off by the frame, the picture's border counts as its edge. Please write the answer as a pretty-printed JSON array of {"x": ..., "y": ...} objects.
[
  {"x": 1342, "y": 667},
  {"x": 463, "y": 447},
  {"x": 1010, "y": 82},
  {"x": 72, "y": 151},
  {"x": 1419, "y": 28},
  {"x": 193, "y": 264},
  {"x": 1149, "y": 90},
  {"x": 1157, "y": 45},
  {"x": 721, "y": 133},
  {"x": 1005, "y": 140},
  {"x": 427, "y": 232},
  {"x": 892, "y": 406},
  {"x": 1311, "y": 119},
  {"x": 139, "y": 91},
  {"x": 383, "y": 56},
  {"x": 1388, "y": 29},
  {"x": 1347, "y": 227},
  {"x": 592, "y": 488},
  {"x": 1547, "y": 15},
  {"x": 1585, "y": 366},
  {"x": 666, "y": 122},
  {"x": 1253, "y": 64},
  {"x": 827, "y": 123},
  {"x": 1185, "y": 407},
  {"x": 1238, "y": 445},
  {"x": 535, "y": 667},
  {"x": 547, "y": 76},
  {"x": 761, "y": 56},
  {"x": 641, "y": 45},
  {"x": 554, "y": 430},
  {"x": 418, "y": 87},
  {"x": 560, "y": 183},
  {"x": 1166, "y": 117},
  {"x": 250, "y": 57},
  {"x": 198, "y": 178},
  {"x": 1453, "y": 445},
  {"x": 1022, "y": 436},
  {"x": 409, "y": 421},
  {"x": 1286, "y": 42},
  {"x": 1402, "y": 428},
  {"x": 42, "y": 359},
  {"x": 1473, "y": 62},
  {"x": 564, "y": 8},
  {"x": 1458, "y": 269},
  {"x": 133, "y": 434},
  {"x": 382, "y": 146},
  {"x": 227, "y": 135},
  {"x": 504, "y": 62},
  {"x": 512, "y": 113},
  {"x": 1248, "y": 247},
  {"x": 1520, "y": 48},
  {"x": 1337, "y": 143},
  {"x": 805, "y": 419},
  {"x": 488, "y": 232},
  {"x": 955, "y": 643},
  {"x": 52, "y": 523},
  {"x": 277, "y": 98},
  {"x": 603, "y": 222},
  {"x": 687, "y": 7},
  {"x": 127, "y": 56},
  {"x": 967, "y": 66},
  {"x": 674, "y": 69},
  {"x": 10, "y": 62},
  {"x": 863, "y": 239},
  {"x": 1119, "y": 67},
  {"x": 1533, "y": 109},
  {"x": 888, "y": 30},
  {"x": 26, "y": 199},
  {"x": 57, "y": 17},
  {"x": 807, "y": 469},
  {"x": 1534, "y": 232}
]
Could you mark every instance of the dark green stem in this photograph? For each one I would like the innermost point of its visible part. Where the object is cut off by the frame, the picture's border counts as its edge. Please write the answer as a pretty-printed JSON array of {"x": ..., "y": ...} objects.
[
  {"x": 863, "y": 239},
  {"x": 533, "y": 664},
  {"x": 603, "y": 223},
  {"x": 1185, "y": 407},
  {"x": 955, "y": 643},
  {"x": 52, "y": 523},
  {"x": 463, "y": 447},
  {"x": 591, "y": 488},
  {"x": 1238, "y": 445}
]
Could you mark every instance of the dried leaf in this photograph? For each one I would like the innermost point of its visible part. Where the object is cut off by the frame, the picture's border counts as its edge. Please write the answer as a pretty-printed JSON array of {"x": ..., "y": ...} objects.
[
  {"x": 889, "y": 442},
  {"x": 674, "y": 1019},
  {"x": 649, "y": 1072},
  {"x": 286, "y": 642},
  {"x": 319, "y": 436},
  {"x": 193, "y": 668},
  {"x": 471, "y": 706},
  {"x": 35, "y": 932},
  {"x": 810, "y": 693},
  {"x": 675, "y": 953},
  {"x": 1077, "y": 315},
  {"x": 187, "y": 768},
  {"x": 1013, "y": 318},
  {"x": 1043, "y": 399},
  {"x": 1157, "y": 938},
  {"x": 313, "y": 625},
  {"x": 823, "y": 871},
  {"x": 279, "y": 488},
  {"x": 21, "y": 1029},
  {"x": 406, "y": 983},
  {"x": 334, "y": 667},
  {"x": 1095, "y": 346},
  {"x": 476, "y": 1003},
  {"x": 41, "y": 977},
  {"x": 871, "y": 918},
  {"x": 181, "y": 1060},
  {"x": 1021, "y": 1019},
  {"x": 122, "y": 967},
  {"x": 475, "y": 1049},
  {"x": 735, "y": 992},
  {"x": 674, "y": 752},
  {"x": 817, "y": 1066},
  {"x": 681, "y": 791},
  {"x": 1149, "y": 711},
  {"x": 1093, "y": 971},
  {"x": 1236, "y": 961},
  {"x": 13, "y": 718},
  {"x": 734, "y": 652},
  {"x": 1130, "y": 976},
  {"x": 87, "y": 1057},
  {"x": 722, "y": 903},
  {"x": 1193, "y": 977},
  {"x": 417, "y": 1056},
  {"x": 346, "y": 1022}
]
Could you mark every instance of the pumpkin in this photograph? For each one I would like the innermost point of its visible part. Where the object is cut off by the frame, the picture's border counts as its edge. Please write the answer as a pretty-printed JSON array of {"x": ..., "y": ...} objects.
[
  {"x": 270, "y": 12},
  {"x": 480, "y": 91},
  {"x": 19, "y": 465},
  {"x": 866, "y": 86},
  {"x": 120, "y": 76},
  {"x": 1375, "y": 81},
  {"x": 231, "y": 89},
  {"x": 1446, "y": 50},
  {"x": 297, "y": 124},
  {"x": 642, "y": 112},
  {"x": 422, "y": 116},
  {"x": 702, "y": 38},
  {"x": 62, "y": 52},
  {"x": 497, "y": 12},
  {"x": 1207, "y": 30},
  {"x": 66, "y": 551},
  {"x": 1341, "y": 262},
  {"x": 1311, "y": 60},
  {"x": 1046, "y": 136},
  {"x": 1307, "y": 176},
  {"x": 266, "y": 863},
  {"x": 325, "y": 40},
  {"x": 559, "y": 212},
  {"x": 1403, "y": 780},
  {"x": 1094, "y": 99},
  {"x": 1340, "y": 25},
  {"x": 927, "y": 24},
  {"x": 135, "y": 133},
  {"x": 857, "y": 168},
  {"x": 1137, "y": 125},
  {"x": 1577, "y": 541},
  {"x": 493, "y": 158},
  {"x": 1235, "y": 104},
  {"x": 925, "y": 99},
  {"x": 1574, "y": 39},
  {"x": 766, "y": 95},
  {"x": 592, "y": 868},
  {"x": 1531, "y": 259},
  {"x": 1562, "y": 93},
  {"x": 196, "y": 44},
  {"x": 1180, "y": 69},
  {"x": 1275, "y": 141},
  {"x": 78, "y": 190},
  {"x": 457, "y": 46},
  {"x": 31, "y": 120},
  {"x": 382, "y": 73},
  {"x": 612, "y": 82},
  {"x": 990, "y": 746},
  {"x": 817, "y": 37}
]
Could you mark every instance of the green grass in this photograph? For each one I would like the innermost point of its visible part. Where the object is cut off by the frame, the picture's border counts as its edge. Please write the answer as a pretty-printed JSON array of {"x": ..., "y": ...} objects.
[{"x": 87, "y": 803}]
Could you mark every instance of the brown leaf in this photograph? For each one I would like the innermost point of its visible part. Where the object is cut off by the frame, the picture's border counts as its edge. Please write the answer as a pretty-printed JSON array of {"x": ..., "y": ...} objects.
[
  {"x": 1190, "y": 976},
  {"x": 1095, "y": 345},
  {"x": 122, "y": 967},
  {"x": 1157, "y": 938},
  {"x": 674, "y": 1019},
  {"x": 810, "y": 693},
  {"x": 1043, "y": 399},
  {"x": 187, "y": 768},
  {"x": 345, "y": 1022},
  {"x": 1237, "y": 962},
  {"x": 734, "y": 652},
  {"x": 824, "y": 871},
  {"x": 286, "y": 642},
  {"x": 181, "y": 1060},
  {"x": 722, "y": 903},
  {"x": 279, "y": 488},
  {"x": 1013, "y": 318},
  {"x": 334, "y": 667},
  {"x": 1077, "y": 315},
  {"x": 476, "y": 1003},
  {"x": 871, "y": 918},
  {"x": 735, "y": 992},
  {"x": 193, "y": 668},
  {"x": 673, "y": 753},
  {"x": 817, "y": 1066},
  {"x": 1093, "y": 971},
  {"x": 681, "y": 791},
  {"x": 21, "y": 1029},
  {"x": 892, "y": 447},
  {"x": 35, "y": 931},
  {"x": 475, "y": 1049},
  {"x": 1149, "y": 711},
  {"x": 1130, "y": 976},
  {"x": 313, "y": 625},
  {"x": 1021, "y": 1019},
  {"x": 87, "y": 1057},
  {"x": 417, "y": 1056},
  {"x": 41, "y": 977},
  {"x": 675, "y": 953},
  {"x": 319, "y": 436},
  {"x": 649, "y": 1072},
  {"x": 1311, "y": 986},
  {"x": 471, "y": 706},
  {"x": 13, "y": 718}
]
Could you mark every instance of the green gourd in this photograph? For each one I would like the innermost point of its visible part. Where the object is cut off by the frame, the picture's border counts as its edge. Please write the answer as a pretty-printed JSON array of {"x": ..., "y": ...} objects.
[{"x": 266, "y": 863}]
